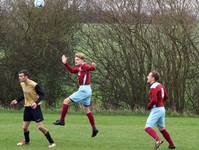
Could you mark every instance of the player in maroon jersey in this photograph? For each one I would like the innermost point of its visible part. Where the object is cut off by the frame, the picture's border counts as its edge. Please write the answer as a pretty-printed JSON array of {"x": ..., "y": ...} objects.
[
  {"x": 83, "y": 95},
  {"x": 158, "y": 95}
]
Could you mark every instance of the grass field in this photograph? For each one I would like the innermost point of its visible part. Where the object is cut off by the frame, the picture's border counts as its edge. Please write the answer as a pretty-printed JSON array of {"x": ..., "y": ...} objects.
[{"x": 117, "y": 132}]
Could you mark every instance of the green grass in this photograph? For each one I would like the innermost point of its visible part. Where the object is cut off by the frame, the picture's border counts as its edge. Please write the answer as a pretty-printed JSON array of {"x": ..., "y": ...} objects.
[{"x": 117, "y": 132}]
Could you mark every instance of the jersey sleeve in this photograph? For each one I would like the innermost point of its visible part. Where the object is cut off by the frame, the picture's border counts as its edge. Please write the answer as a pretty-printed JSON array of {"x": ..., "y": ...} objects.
[
  {"x": 21, "y": 97},
  {"x": 88, "y": 67},
  {"x": 40, "y": 93},
  {"x": 71, "y": 69},
  {"x": 152, "y": 97}
]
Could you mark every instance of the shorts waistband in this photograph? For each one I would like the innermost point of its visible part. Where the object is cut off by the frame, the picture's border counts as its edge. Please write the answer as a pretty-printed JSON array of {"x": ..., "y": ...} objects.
[{"x": 85, "y": 85}]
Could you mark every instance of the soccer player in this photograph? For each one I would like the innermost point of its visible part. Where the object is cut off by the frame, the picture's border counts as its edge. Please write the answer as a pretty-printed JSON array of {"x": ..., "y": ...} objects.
[
  {"x": 158, "y": 96},
  {"x": 32, "y": 95},
  {"x": 84, "y": 92}
]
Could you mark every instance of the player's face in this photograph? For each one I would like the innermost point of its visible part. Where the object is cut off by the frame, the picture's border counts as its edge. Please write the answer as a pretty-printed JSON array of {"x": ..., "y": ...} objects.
[
  {"x": 22, "y": 77},
  {"x": 78, "y": 61},
  {"x": 150, "y": 78}
]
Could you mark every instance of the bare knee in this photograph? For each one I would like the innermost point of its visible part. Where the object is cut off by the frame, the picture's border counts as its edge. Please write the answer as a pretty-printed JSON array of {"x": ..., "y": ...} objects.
[
  {"x": 25, "y": 128},
  {"x": 67, "y": 101},
  {"x": 87, "y": 110},
  {"x": 42, "y": 129}
]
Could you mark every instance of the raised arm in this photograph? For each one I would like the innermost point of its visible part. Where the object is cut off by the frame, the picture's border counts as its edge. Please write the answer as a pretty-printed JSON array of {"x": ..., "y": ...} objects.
[
  {"x": 68, "y": 66},
  {"x": 71, "y": 69}
]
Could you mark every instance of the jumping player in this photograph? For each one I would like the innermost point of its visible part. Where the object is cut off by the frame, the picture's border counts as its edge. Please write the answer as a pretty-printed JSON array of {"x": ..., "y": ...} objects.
[
  {"x": 158, "y": 96},
  {"x": 84, "y": 92},
  {"x": 32, "y": 94}
]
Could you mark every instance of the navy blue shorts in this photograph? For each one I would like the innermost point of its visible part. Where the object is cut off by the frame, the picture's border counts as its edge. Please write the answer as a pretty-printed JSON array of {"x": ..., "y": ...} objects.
[{"x": 33, "y": 114}]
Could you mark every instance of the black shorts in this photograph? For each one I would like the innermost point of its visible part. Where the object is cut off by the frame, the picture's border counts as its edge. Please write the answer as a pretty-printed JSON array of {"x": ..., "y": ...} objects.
[{"x": 33, "y": 114}]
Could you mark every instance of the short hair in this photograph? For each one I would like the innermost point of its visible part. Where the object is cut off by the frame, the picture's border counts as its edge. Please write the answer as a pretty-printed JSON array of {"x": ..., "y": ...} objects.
[
  {"x": 80, "y": 55},
  {"x": 156, "y": 75},
  {"x": 25, "y": 72}
]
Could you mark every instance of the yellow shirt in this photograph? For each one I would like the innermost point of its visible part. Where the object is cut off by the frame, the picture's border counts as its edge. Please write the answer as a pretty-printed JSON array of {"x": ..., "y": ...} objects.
[{"x": 30, "y": 95}]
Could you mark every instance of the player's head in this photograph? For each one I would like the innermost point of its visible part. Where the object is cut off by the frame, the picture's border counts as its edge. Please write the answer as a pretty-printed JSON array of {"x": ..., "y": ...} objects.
[
  {"x": 23, "y": 75},
  {"x": 79, "y": 58},
  {"x": 153, "y": 76}
]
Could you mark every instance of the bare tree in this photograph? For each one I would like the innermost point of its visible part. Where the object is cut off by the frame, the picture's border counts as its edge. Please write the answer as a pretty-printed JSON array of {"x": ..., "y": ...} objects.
[{"x": 138, "y": 36}]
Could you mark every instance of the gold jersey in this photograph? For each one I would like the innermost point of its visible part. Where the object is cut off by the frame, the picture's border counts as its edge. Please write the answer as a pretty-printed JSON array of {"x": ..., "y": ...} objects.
[{"x": 30, "y": 95}]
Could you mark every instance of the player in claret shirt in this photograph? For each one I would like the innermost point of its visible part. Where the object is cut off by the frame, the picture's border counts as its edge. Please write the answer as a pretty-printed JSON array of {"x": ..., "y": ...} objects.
[
  {"x": 158, "y": 96},
  {"x": 83, "y": 95}
]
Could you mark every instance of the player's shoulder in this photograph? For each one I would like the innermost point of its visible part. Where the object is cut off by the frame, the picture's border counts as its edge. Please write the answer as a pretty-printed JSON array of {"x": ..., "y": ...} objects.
[
  {"x": 22, "y": 83},
  {"x": 32, "y": 83},
  {"x": 156, "y": 85},
  {"x": 85, "y": 65}
]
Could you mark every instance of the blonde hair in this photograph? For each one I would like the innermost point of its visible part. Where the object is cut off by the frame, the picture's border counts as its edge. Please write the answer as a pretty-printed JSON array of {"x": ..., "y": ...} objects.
[{"x": 80, "y": 55}]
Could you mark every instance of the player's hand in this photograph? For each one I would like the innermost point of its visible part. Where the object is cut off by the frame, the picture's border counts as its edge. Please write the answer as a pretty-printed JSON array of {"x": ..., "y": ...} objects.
[
  {"x": 93, "y": 64},
  {"x": 13, "y": 102},
  {"x": 64, "y": 59},
  {"x": 34, "y": 105}
]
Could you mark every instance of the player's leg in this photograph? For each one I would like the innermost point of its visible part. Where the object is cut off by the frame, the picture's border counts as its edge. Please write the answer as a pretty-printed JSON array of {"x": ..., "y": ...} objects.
[
  {"x": 167, "y": 137},
  {"x": 45, "y": 131},
  {"x": 86, "y": 100},
  {"x": 38, "y": 118},
  {"x": 91, "y": 120},
  {"x": 64, "y": 111},
  {"x": 27, "y": 117},
  {"x": 150, "y": 123},
  {"x": 76, "y": 98},
  {"x": 26, "y": 139},
  {"x": 165, "y": 133}
]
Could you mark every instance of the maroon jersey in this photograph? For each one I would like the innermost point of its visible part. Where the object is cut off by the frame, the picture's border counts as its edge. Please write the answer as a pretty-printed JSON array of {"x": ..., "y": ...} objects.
[
  {"x": 157, "y": 95},
  {"x": 83, "y": 71}
]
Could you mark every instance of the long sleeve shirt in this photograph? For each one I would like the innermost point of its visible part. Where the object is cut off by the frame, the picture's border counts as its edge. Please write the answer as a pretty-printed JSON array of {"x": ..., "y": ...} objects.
[
  {"x": 31, "y": 93},
  {"x": 157, "y": 95},
  {"x": 83, "y": 71}
]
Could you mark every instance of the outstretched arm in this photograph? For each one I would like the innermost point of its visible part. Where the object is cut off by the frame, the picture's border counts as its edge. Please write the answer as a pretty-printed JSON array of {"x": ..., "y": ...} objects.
[{"x": 70, "y": 69}]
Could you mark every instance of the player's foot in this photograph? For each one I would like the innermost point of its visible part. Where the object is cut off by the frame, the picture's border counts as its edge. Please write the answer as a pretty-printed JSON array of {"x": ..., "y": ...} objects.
[
  {"x": 22, "y": 142},
  {"x": 157, "y": 144},
  {"x": 51, "y": 145},
  {"x": 94, "y": 133},
  {"x": 58, "y": 122},
  {"x": 171, "y": 147}
]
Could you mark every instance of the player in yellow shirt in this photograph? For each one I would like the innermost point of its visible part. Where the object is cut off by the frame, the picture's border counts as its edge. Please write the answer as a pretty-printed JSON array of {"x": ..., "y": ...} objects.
[{"x": 32, "y": 95}]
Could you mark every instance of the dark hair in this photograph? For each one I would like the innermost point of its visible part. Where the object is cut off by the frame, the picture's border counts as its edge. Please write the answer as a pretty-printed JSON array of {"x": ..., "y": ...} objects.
[
  {"x": 25, "y": 72},
  {"x": 156, "y": 75}
]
